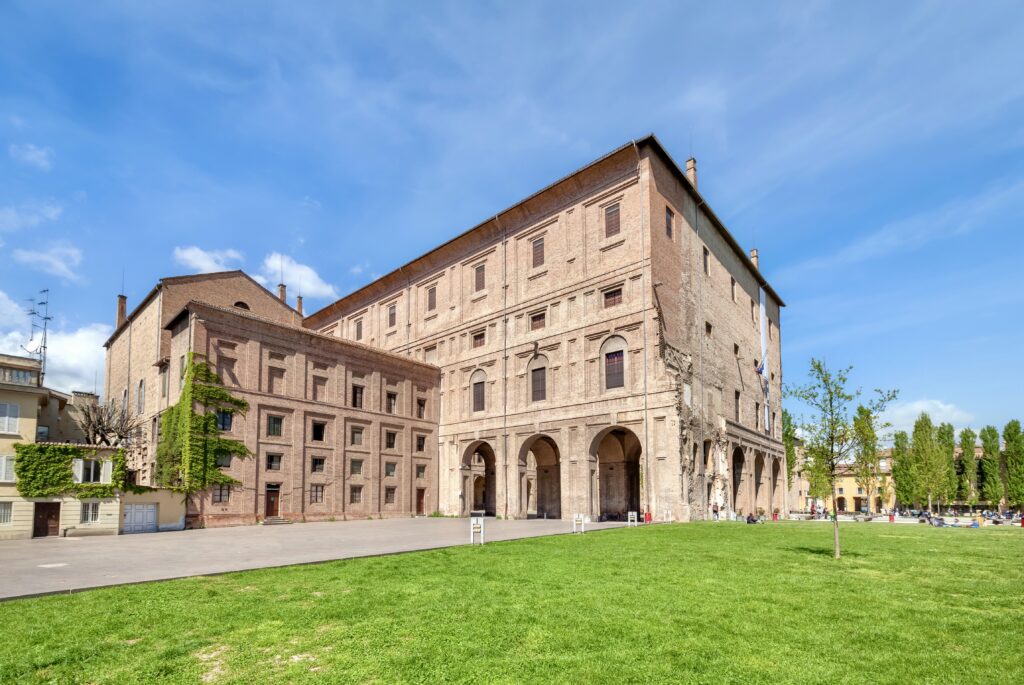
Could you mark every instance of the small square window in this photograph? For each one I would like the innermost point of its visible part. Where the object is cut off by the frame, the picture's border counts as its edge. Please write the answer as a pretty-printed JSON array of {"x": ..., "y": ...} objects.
[
  {"x": 357, "y": 435},
  {"x": 392, "y": 403},
  {"x": 421, "y": 471},
  {"x": 319, "y": 431},
  {"x": 355, "y": 494},
  {"x": 318, "y": 465},
  {"x": 357, "y": 397},
  {"x": 316, "y": 494},
  {"x": 611, "y": 220},
  {"x": 479, "y": 278},
  {"x": 538, "y": 253},
  {"x": 356, "y": 467},
  {"x": 538, "y": 321},
  {"x": 273, "y": 462},
  {"x": 479, "y": 338},
  {"x": 389, "y": 495},
  {"x": 390, "y": 438},
  {"x": 421, "y": 408},
  {"x": 612, "y": 297},
  {"x": 421, "y": 443},
  {"x": 275, "y": 426},
  {"x": 390, "y": 469},
  {"x": 431, "y": 298}
]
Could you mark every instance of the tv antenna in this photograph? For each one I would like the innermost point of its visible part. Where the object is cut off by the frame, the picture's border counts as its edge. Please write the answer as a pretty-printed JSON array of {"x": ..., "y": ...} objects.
[{"x": 40, "y": 313}]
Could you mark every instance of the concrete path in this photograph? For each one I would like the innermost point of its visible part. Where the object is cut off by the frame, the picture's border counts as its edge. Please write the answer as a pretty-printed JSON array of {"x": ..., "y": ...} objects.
[{"x": 51, "y": 565}]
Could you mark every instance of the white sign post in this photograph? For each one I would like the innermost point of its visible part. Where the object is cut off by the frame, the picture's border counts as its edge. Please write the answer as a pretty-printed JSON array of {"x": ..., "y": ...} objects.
[
  {"x": 476, "y": 527},
  {"x": 579, "y": 523},
  {"x": 631, "y": 520}
]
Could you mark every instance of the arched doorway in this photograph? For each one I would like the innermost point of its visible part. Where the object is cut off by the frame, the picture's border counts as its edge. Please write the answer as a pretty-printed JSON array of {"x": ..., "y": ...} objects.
[
  {"x": 739, "y": 482},
  {"x": 841, "y": 503},
  {"x": 478, "y": 479},
  {"x": 762, "y": 500},
  {"x": 540, "y": 476},
  {"x": 778, "y": 486},
  {"x": 615, "y": 454}
]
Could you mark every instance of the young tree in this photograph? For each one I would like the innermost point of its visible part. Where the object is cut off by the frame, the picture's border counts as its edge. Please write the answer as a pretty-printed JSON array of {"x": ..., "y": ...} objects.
[
  {"x": 991, "y": 479},
  {"x": 829, "y": 436},
  {"x": 945, "y": 440},
  {"x": 867, "y": 462},
  {"x": 968, "y": 470},
  {"x": 106, "y": 424},
  {"x": 789, "y": 442},
  {"x": 904, "y": 475},
  {"x": 1013, "y": 441},
  {"x": 927, "y": 458}
]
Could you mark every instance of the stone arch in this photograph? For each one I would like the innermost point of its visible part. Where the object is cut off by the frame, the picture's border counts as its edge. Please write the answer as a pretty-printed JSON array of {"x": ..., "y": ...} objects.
[
  {"x": 762, "y": 489},
  {"x": 540, "y": 478},
  {"x": 778, "y": 486},
  {"x": 615, "y": 474},
  {"x": 614, "y": 344},
  {"x": 740, "y": 503},
  {"x": 478, "y": 478},
  {"x": 241, "y": 305},
  {"x": 709, "y": 471}
]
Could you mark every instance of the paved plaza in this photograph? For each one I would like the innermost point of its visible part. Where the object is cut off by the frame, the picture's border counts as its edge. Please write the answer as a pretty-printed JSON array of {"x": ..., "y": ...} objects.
[{"x": 50, "y": 565}]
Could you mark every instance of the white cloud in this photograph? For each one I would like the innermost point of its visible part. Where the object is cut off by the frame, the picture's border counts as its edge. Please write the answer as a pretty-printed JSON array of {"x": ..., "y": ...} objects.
[
  {"x": 12, "y": 314},
  {"x": 359, "y": 268},
  {"x": 60, "y": 259},
  {"x": 903, "y": 414},
  {"x": 300, "y": 278},
  {"x": 39, "y": 157},
  {"x": 28, "y": 215},
  {"x": 206, "y": 261}
]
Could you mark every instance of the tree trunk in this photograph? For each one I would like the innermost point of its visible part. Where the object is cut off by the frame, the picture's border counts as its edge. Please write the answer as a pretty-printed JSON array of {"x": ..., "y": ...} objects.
[{"x": 835, "y": 522}]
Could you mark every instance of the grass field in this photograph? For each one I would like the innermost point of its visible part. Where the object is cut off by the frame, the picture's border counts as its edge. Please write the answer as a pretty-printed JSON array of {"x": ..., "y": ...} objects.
[{"x": 695, "y": 603}]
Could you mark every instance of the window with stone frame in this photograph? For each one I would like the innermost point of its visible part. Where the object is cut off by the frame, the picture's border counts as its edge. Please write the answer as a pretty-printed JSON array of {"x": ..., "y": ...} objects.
[
  {"x": 479, "y": 391},
  {"x": 538, "y": 320},
  {"x": 319, "y": 433},
  {"x": 392, "y": 315},
  {"x": 538, "y": 252},
  {"x": 421, "y": 471},
  {"x": 479, "y": 277},
  {"x": 614, "y": 369},
  {"x": 356, "y": 435},
  {"x": 318, "y": 465},
  {"x": 612, "y": 297},
  {"x": 479, "y": 338},
  {"x": 390, "y": 469},
  {"x": 274, "y": 462},
  {"x": 611, "y": 220},
  {"x": 390, "y": 440},
  {"x": 316, "y": 493},
  {"x": 355, "y": 467},
  {"x": 275, "y": 426},
  {"x": 357, "y": 396},
  {"x": 391, "y": 405},
  {"x": 538, "y": 384},
  {"x": 355, "y": 494},
  {"x": 431, "y": 298},
  {"x": 90, "y": 512},
  {"x": 221, "y": 494},
  {"x": 421, "y": 408},
  {"x": 421, "y": 443},
  {"x": 224, "y": 420},
  {"x": 223, "y": 461},
  {"x": 359, "y": 329},
  {"x": 389, "y": 495}
]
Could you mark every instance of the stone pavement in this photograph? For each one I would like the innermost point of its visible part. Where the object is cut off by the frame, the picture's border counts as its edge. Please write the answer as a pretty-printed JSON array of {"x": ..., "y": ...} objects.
[{"x": 52, "y": 565}]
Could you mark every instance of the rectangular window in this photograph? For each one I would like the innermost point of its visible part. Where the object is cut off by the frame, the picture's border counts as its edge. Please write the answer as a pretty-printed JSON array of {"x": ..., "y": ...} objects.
[
  {"x": 669, "y": 218},
  {"x": 611, "y": 220},
  {"x": 357, "y": 435},
  {"x": 421, "y": 408},
  {"x": 275, "y": 426},
  {"x": 7, "y": 469},
  {"x": 390, "y": 438},
  {"x": 91, "y": 471},
  {"x": 421, "y": 443},
  {"x": 478, "y": 396},
  {"x": 273, "y": 462},
  {"x": 223, "y": 461},
  {"x": 224, "y": 419},
  {"x": 614, "y": 370},
  {"x": 9, "y": 418},
  {"x": 538, "y": 384},
  {"x": 356, "y": 467},
  {"x": 359, "y": 329},
  {"x": 357, "y": 397},
  {"x": 355, "y": 494},
  {"x": 480, "y": 277},
  {"x": 389, "y": 495},
  {"x": 757, "y": 415},
  {"x": 612, "y": 297},
  {"x": 318, "y": 465},
  {"x": 221, "y": 494},
  {"x": 431, "y": 298},
  {"x": 421, "y": 471},
  {"x": 392, "y": 403},
  {"x": 390, "y": 469},
  {"x": 707, "y": 262},
  {"x": 5, "y": 513},
  {"x": 392, "y": 315},
  {"x": 90, "y": 512},
  {"x": 316, "y": 494},
  {"x": 736, "y": 408},
  {"x": 538, "y": 253},
  {"x": 479, "y": 338},
  {"x": 538, "y": 321},
  {"x": 732, "y": 285},
  {"x": 840, "y": 491}
]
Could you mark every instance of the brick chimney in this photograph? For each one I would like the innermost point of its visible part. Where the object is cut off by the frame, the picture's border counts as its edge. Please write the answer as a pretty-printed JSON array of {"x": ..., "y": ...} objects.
[
  {"x": 753, "y": 258},
  {"x": 691, "y": 171},
  {"x": 122, "y": 310},
  {"x": 298, "y": 304},
  {"x": 282, "y": 292}
]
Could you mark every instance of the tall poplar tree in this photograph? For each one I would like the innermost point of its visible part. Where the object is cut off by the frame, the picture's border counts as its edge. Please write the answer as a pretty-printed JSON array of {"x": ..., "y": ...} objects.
[
  {"x": 789, "y": 442},
  {"x": 927, "y": 458},
  {"x": 991, "y": 486},
  {"x": 968, "y": 469},
  {"x": 1013, "y": 441},
  {"x": 904, "y": 476},
  {"x": 945, "y": 439},
  {"x": 867, "y": 462}
]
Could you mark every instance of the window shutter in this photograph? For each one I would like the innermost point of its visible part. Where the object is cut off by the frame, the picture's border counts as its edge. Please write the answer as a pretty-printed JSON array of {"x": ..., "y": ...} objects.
[
  {"x": 76, "y": 470},
  {"x": 611, "y": 221},
  {"x": 7, "y": 470},
  {"x": 106, "y": 471},
  {"x": 538, "y": 252}
]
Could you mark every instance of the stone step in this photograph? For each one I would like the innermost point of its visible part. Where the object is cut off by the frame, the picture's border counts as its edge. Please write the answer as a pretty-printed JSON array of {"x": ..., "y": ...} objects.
[{"x": 275, "y": 521}]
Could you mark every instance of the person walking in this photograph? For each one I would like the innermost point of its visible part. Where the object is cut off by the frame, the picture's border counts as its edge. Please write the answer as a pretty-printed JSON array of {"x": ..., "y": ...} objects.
[{"x": 714, "y": 510}]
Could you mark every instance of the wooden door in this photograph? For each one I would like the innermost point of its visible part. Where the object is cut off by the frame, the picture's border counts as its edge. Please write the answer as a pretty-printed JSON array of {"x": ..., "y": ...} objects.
[
  {"x": 47, "y": 519},
  {"x": 421, "y": 496},
  {"x": 273, "y": 501}
]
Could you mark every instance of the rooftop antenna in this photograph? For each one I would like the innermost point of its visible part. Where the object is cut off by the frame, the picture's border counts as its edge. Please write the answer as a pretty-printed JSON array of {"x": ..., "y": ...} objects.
[{"x": 40, "y": 313}]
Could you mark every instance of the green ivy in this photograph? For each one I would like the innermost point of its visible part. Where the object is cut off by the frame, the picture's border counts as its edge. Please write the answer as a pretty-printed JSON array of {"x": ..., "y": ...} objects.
[
  {"x": 190, "y": 442},
  {"x": 45, "y": 471}
]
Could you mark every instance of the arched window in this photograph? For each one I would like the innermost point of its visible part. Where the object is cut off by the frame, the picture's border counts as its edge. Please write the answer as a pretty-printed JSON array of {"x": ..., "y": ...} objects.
[
  {"x": 538, "y": 375},
  {"x": 478, "y": 386},
  {"x": 140, "y": 397},
  {"x": 613, "y": 363},
  {"x": 241, "y": 305}
]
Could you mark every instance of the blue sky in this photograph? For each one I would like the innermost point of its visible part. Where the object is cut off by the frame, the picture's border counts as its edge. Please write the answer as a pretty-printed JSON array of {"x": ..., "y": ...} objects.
[{"x": 873, "y": 152}]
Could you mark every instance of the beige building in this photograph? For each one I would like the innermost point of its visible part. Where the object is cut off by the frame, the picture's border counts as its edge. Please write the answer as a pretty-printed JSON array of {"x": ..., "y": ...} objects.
[{"x": 598, "y": 345}]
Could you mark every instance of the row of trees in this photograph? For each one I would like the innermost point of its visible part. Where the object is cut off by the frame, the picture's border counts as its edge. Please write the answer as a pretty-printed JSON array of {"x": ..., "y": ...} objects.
[{"x": 927, "y": 471}]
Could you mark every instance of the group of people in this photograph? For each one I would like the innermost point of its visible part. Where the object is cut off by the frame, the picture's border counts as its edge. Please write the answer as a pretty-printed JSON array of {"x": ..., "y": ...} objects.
[{"x": 716, "y": 515}]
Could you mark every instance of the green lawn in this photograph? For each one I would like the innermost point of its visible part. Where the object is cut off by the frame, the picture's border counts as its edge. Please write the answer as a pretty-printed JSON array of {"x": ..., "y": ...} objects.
[{"x": 697, "y": 603}]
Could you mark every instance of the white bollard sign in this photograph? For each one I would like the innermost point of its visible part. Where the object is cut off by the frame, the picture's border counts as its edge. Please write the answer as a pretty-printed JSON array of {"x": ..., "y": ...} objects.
[
  {"x": 631, "y": 520},
  {"x": 579, "y": 523},
  {"x": 476, "y": 528}
]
